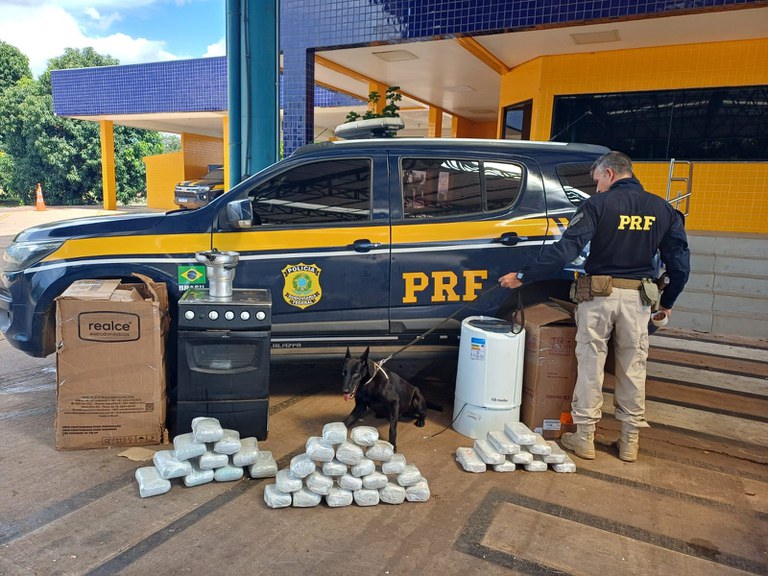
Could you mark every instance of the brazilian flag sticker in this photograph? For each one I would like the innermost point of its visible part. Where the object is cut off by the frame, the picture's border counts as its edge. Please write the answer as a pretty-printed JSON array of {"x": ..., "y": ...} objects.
[{"x": 191, "y": 275}]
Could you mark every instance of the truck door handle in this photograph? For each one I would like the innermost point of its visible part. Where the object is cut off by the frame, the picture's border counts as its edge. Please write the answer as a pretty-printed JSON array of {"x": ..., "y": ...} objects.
[
  {"x": 365, "y": 245},
  {"x": 511, "y": 238}
]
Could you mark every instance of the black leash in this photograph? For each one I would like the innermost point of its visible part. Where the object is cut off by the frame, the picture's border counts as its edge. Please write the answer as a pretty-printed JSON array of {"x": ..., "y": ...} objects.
[{"x": 519, "y": 310}]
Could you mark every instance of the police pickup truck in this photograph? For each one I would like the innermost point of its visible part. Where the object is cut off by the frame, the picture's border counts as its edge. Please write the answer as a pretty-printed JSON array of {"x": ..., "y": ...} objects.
[{"x": 361, "y": 242}]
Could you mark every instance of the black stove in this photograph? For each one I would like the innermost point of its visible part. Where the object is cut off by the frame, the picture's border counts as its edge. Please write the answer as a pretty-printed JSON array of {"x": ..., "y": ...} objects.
[{"x": 223, "y": 361}]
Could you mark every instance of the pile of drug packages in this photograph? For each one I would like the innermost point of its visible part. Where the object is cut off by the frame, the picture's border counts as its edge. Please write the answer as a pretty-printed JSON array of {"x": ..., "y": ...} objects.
[
  {"x": 208, "y": 453},
  {"x": 361, "y": 469},
  {"x": 515, "y": 446}
]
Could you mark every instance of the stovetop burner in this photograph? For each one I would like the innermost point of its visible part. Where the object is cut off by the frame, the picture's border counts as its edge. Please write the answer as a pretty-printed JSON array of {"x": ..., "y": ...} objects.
[{"x": 247, "y": 309}]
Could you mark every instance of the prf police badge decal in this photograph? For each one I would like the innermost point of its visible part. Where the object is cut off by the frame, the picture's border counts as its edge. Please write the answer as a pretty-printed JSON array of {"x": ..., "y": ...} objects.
[{"x": 302, "y": 285}]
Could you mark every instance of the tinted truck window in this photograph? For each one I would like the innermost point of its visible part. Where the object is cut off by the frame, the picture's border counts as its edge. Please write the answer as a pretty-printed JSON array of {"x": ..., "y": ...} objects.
[
  {"x": 576, "y": 178},
  {"x": 439, "y": 187},
  {"x": 317, "y": 192}
]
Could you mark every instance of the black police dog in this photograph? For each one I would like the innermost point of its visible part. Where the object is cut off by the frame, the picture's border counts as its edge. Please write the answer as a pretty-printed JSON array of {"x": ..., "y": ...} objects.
[{"x": 386, "y": 393}]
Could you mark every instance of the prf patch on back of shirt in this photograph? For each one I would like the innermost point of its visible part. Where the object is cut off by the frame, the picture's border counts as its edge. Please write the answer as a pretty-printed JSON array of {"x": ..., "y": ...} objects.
[{"x": 631, "y": 222}]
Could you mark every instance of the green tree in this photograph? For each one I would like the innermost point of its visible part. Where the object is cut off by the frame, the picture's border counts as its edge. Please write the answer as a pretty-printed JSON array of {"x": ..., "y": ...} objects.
[
  {"x": 14, "y": 65},
  {"x": 75, "y": 58},
  {"x": 64, "y": 154}
]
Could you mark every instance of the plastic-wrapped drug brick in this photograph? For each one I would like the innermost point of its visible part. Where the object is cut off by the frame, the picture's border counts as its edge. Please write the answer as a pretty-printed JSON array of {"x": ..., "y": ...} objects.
[
  {"x": 319, "y": 450},
  {"x": 229, "y": 443},
  {"x": 334, "y": 468},
  {"x": 567, "y": 466},
  {"x": 487, "y": 452},
  {"x": 248, "y": 453},
  {"x": 556, "y": 456},
  {"x": 319, "y": 483},
  {"x": 392, "y": 494},
  {"x": 276, "y": 499},
  {"x": 305, "y": 498},
  {"x": 150, "y": 482},
  {"x": 519, "y": 433},
  {"x": 185, "y": 446},
  {"x": 338, "y": 497},
  {"x": 302, "y": 465},
  {"x": 502, "y": 443},
  {"x": 537, "y": 464},
  {"x": 382, "y": 451},
  {"x": 349, "y": 453},
  {"x": 469, "y": 460},
  {"x": 364, "y": 435},
  {"x": 264, "y": 467},
  {"x": 169, "y": 466},
  {"x": 540, "y": 447},
  {"x": 394, "y": 465},
  {"x": 419, "y": 492},
  {"x": 335, "y": 432},
  {"x": 207, "y": 429},
  {"x": 523, "y": 457}
]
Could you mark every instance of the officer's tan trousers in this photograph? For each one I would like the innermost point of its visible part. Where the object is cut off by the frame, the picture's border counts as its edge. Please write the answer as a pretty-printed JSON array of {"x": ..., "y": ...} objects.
[{"x": 624, "y": 314}]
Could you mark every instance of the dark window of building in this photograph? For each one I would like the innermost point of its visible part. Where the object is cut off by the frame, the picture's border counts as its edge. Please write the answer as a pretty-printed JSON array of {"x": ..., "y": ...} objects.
[
  {"x": 576, "y": 178},
  {"x": 517, "y": 121},
  {"x": 692, "y": 124},
  {"x": 318, "y": 192},
  {"x": 439, "y": 187}
]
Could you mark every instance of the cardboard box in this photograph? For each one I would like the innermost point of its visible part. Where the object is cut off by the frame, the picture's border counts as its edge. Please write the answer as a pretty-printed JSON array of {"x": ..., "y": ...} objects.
[
  {"x": 110, "y": 364},
  {"x": 549, "y": 372}
]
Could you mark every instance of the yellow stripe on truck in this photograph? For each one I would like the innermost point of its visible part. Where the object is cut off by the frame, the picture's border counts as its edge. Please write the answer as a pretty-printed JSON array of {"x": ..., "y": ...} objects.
[
  {"x": 262, "y": 239},
  {"x": 162, "y": 244},
  {"x": 458, "y": 231}
]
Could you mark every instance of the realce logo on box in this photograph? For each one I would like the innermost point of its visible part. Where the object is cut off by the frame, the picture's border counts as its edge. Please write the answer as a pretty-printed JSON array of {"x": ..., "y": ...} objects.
[{"x": 108, "y": 326}]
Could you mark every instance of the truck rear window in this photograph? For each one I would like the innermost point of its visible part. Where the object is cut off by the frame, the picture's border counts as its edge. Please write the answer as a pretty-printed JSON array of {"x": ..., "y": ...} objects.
[{"x": 576, "y": 179}]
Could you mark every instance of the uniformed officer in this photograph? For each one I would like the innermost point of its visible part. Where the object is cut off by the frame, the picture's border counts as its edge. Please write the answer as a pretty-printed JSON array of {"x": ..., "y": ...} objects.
[{"x": 626, "y": 226}]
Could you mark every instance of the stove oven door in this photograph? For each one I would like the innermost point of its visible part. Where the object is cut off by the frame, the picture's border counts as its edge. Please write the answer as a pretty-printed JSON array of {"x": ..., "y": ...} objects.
[{"x": 222, "y": 365}]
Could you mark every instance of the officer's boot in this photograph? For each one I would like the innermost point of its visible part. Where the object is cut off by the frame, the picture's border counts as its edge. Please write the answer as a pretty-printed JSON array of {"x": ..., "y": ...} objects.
[
  {"x": 629, "y": 443},
  {"x": 582, "y": 442}
]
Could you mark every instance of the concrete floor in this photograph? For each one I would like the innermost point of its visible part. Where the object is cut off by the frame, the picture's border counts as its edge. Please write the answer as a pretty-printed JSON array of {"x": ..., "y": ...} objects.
[{"x": 694, "y": 503}]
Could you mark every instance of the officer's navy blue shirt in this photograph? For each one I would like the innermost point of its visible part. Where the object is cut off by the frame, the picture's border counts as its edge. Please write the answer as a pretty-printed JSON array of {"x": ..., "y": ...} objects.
[{"x": 625, "y": 225}]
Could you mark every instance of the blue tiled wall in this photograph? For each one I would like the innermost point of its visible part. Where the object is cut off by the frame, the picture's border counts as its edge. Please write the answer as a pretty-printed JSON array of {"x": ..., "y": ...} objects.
[
  {"x": 306, "y": 25},
  {"x": 178, "y": 86}
]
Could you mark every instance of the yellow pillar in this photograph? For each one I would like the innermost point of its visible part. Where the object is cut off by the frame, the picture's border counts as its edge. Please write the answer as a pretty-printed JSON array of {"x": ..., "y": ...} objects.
[
  {"x": 225, "y": 131},
  {"x": 108, "y": 182},
  {"x": 435, "y": 129},
  {"x": 378, "y": 107}
]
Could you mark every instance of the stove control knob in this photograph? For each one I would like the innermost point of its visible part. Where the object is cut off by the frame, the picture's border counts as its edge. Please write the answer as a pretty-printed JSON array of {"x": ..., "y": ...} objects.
[
  {"x": 260, "y": 315},
  {"x": 244, "y": 315},
  {"x": 229, "y": 315},
  {"x": 213, "y": 315},
  {"x": 189, "y": 315}
]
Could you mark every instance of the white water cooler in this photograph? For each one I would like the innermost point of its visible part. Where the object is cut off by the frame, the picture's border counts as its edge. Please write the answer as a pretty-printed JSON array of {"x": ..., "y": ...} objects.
[{"x": 489, "y": 379}]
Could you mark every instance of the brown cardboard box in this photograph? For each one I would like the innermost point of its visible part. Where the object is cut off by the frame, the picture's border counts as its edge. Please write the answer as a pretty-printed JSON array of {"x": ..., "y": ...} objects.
[
  {"x": 549, "y": 372},
  {"x": 110, "y": 365}
]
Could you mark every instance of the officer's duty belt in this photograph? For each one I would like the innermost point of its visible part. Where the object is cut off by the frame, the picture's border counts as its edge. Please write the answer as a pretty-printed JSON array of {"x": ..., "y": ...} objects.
[{"x": 628, "y": 283}]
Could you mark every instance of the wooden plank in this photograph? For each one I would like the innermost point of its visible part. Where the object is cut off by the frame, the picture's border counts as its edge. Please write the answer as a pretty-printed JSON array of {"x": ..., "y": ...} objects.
[
  {"x": 729, "y": 350},
  {"x": 727, "y": 382},
  {"x": 714, "y": 401},
  {"x": 709, "y": 362},
  {"x": 699, "y": 421}
]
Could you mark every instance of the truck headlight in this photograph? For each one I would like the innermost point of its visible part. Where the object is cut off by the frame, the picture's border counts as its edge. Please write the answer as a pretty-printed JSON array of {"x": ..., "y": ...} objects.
[{"x": 22, "y": 255}]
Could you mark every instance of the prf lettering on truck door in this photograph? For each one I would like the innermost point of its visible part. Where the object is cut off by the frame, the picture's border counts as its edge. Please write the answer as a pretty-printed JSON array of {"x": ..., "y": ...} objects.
[{"x": 443, "y": 285}]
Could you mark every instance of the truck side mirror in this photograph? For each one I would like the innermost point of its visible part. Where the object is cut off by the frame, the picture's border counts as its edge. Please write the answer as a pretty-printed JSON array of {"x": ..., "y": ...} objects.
[{"x": 240, "y": 213}]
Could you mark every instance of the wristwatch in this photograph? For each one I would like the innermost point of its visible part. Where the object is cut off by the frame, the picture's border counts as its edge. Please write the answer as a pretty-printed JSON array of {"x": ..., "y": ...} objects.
[{"x": 520, "y": 276}]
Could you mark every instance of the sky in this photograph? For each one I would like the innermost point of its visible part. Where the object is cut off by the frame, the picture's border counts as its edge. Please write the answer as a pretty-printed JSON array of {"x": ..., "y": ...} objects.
[{"x": 132, "y": 31}]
